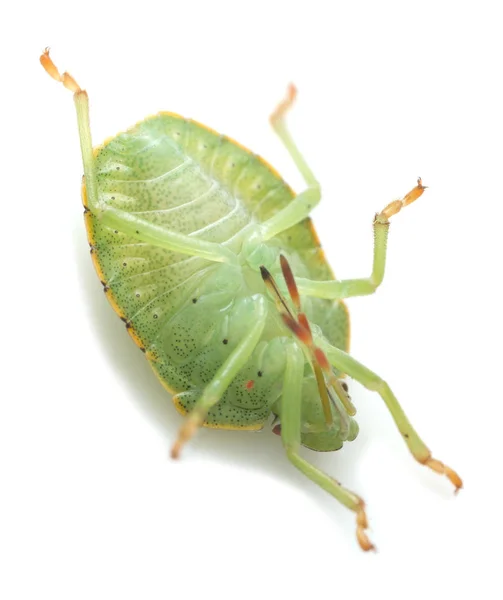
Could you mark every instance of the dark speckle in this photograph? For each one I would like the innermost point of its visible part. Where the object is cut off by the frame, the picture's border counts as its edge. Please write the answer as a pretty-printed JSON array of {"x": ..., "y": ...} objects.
[
  {"x": 156, "y": 316},
  {"x": 260, "y": 373},
  {"x": 194, "y": 300},
  {"x": 225, "y": 341},
  {"x": 406, "y": 436},
  {"x": 117, "y": 168}
]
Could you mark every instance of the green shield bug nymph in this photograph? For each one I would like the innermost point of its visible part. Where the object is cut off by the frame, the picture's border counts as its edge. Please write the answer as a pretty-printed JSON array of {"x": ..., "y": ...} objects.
[{"x": 213, "y": 264}]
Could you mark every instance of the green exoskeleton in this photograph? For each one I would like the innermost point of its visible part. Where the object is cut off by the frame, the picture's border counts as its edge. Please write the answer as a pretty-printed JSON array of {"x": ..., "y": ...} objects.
[{"x": 213, "y": 264}]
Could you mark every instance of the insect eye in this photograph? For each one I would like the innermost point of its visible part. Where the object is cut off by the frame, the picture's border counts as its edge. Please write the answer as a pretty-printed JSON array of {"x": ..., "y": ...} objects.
[{"x": 344, "y": 386}]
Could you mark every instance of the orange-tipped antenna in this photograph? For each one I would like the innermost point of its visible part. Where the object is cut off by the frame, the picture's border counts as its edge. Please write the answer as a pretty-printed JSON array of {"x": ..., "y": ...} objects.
[
  {"x": 277, "y": 295},
  {"x": 301, "y": 329},
  {"x": 304, "y": 335},
  {"x": 319, "y": 355},
  {"x": 301, "y": 333},
  {"x": 334, "y": 382},
  {"x": 290, "y": 282}
]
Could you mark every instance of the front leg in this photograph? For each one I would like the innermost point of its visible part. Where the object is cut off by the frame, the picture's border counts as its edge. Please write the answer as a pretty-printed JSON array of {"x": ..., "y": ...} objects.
[
  {"x": 302, "y": 205},
  {"x": 346, "y": 288}
]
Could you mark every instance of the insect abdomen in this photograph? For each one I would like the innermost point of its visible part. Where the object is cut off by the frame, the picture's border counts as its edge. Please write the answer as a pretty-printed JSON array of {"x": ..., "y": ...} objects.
[{"x": 182, "y": 176}]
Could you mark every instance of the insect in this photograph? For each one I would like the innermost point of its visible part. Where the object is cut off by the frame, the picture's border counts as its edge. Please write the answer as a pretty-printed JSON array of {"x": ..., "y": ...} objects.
[{"x": 212, "y": 262}]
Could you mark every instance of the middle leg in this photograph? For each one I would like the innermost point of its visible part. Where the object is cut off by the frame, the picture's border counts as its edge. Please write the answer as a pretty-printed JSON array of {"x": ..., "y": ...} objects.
[
  {"x": 347, "y": 288},
  {"x": 290, "y": 434}
]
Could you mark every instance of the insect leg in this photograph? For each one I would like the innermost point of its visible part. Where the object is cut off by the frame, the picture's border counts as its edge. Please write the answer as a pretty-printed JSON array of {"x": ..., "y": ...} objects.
[
  {"x": 347, "y": 364},
  {"x": 164, "y": 238},
  {"x": 300, "y": 207},
  {"x": 290, "y": 434},
  {"x": 362, "y": 287},
  {"x": 295, "y": 212},
  {"x": 119, "y": 219},
  {"x": 278, "y": 122},
  {"x": 224, "y": 376},
  {"x": 81, "y": 101}
]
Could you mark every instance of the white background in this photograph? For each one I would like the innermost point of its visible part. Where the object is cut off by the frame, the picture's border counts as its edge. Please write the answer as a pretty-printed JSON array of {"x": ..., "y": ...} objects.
[{"x": 91, "y": 506}]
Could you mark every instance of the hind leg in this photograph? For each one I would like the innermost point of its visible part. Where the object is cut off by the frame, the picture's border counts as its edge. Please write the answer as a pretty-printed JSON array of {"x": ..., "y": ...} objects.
[
  {"x": 344, "y": 362},
  {"x": 118, "y": 219}
]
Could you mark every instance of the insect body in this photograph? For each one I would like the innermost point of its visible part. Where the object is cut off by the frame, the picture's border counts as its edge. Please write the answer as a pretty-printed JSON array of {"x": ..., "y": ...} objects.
[{"x": 213, "y": 264}]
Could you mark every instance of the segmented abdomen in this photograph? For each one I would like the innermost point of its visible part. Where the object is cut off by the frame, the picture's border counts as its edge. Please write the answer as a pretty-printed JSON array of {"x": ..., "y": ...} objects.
[{"x": 184, "y": 177}]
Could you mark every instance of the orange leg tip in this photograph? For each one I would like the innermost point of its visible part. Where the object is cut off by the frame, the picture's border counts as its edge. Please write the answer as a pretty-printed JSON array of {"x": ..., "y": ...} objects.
[
  {"x": 66, "y": 79},
  {"x": 361, "y": 524},
  {"x": 392, "y": 209},
  {"x": 284, "y": 105},
  {"x": 365, "y": 544},
  {"x": 187, "y": 430},
  {"x": 175, "y": 451},
  {"x": 441, "y": 469},
  {"x": 49, "y": 66},
  {"x": 361, "y": 519},
  {"x": 454, "y": 478},
  {"x": 291, "y": 93},
  {"x": 396, "y": 206},
  {"x": 70, "y": 83}
]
